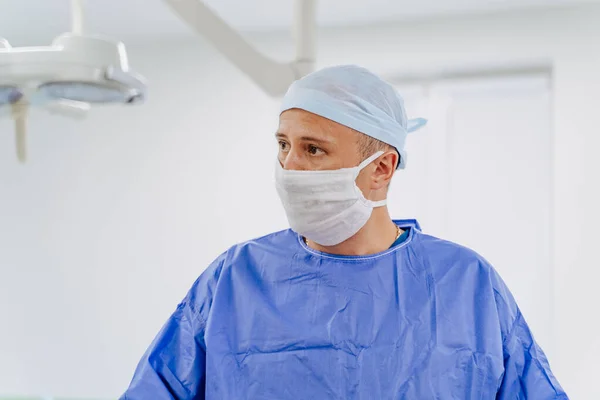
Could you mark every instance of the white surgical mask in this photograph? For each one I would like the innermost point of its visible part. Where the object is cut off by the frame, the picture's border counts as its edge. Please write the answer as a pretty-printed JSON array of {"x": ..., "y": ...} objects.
[{"x": 326, "y": 207}]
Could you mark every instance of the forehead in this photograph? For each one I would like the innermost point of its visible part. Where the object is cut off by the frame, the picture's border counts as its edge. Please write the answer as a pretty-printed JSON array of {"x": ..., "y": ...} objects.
[{"x": 300, "y": 122}]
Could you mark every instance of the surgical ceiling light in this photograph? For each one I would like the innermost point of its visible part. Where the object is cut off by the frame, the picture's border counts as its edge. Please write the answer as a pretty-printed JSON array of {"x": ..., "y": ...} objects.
[
  {"x": 66, "y": 78},
  {"x": 79, "y": 70}
]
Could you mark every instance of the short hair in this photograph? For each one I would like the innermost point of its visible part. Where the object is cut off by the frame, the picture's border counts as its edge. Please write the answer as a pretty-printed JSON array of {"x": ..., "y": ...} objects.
[{"x": 367, "y": 146}]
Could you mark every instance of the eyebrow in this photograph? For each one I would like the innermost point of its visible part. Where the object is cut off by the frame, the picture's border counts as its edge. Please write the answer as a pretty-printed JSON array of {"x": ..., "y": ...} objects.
[{"x": 280, "y": 135}]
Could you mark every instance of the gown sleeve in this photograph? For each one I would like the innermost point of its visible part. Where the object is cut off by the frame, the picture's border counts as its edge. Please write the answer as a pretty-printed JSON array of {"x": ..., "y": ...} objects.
[
  {"x": 174, "y": 366},
  {"x": 527, "y": 373}
]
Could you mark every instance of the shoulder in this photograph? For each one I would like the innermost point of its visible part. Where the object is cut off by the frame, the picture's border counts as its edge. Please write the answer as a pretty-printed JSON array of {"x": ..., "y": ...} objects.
[
  {"x": 274, "y": 244},
  {"x": 458, "y": 266},
  {"x": 443, "y": 256},
  {"x": 459, "y": 272},
  {"x": 235, "y": 259}
]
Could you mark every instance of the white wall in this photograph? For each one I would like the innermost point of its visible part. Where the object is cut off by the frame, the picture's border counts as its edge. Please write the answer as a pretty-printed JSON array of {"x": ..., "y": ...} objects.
[{"x": 110, "y": 222}]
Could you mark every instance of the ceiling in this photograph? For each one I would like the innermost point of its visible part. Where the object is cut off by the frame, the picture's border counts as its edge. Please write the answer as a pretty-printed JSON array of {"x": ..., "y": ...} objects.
[{"x": 127, "y": 18}]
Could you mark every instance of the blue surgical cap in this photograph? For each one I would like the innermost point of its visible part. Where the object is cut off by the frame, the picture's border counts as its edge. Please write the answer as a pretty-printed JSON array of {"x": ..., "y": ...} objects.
[{"x": 355, "y": 97}]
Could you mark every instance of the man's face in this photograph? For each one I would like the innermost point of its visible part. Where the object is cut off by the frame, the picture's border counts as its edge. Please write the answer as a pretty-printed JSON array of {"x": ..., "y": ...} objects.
[
  {"x": 311, "y": 142},
  {"x": 308, "y": 142}
]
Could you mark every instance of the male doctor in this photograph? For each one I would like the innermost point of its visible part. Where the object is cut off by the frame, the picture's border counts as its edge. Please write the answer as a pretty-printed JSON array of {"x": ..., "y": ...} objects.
[{"x": 348, "y": 303}]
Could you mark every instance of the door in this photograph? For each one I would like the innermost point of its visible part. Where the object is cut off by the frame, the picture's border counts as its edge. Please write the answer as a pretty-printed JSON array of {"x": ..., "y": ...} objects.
[{"x": 480, "y": 175}]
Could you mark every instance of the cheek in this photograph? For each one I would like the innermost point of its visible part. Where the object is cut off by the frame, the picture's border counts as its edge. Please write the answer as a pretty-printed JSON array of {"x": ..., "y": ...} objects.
[{"x": 363, "y": 181}]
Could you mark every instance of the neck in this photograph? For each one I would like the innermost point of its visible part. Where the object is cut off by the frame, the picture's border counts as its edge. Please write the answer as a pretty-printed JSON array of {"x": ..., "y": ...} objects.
[{"x": 378, "y": 234}]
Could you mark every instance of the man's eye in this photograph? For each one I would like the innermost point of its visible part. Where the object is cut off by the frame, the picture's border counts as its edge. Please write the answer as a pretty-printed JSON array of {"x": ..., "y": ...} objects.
[
  {"x": 282, "y": 145},
  {"x": 314, "y": 149}
]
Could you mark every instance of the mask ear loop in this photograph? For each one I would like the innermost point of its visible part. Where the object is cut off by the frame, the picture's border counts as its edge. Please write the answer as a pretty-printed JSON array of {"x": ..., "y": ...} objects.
[
  {"x": 361, "y": 166},
  {"x": 379, "y": 203},
  {"x": 368, "y": 161}
]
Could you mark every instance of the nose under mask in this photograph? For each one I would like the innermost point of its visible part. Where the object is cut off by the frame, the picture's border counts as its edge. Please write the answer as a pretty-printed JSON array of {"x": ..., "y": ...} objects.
[{"x": 326, "y": 207}]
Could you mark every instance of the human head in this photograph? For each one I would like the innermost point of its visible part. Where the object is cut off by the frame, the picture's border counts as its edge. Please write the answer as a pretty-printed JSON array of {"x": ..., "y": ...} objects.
[
  {"x": 337, "y": 117},
  {"x": 310, "y": 142}
]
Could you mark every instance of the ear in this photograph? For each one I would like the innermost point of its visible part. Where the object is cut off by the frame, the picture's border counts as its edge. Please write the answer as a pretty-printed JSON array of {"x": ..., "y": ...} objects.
[{"x": 385, "y": 166}]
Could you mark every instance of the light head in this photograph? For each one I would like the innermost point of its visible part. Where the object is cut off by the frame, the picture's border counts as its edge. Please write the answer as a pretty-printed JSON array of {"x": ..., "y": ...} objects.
[{"x": 66, "y": 77}]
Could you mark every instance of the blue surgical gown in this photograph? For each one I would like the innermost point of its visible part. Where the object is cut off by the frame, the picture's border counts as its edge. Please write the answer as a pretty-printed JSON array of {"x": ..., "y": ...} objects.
[{"x": 275, "y": 319}]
